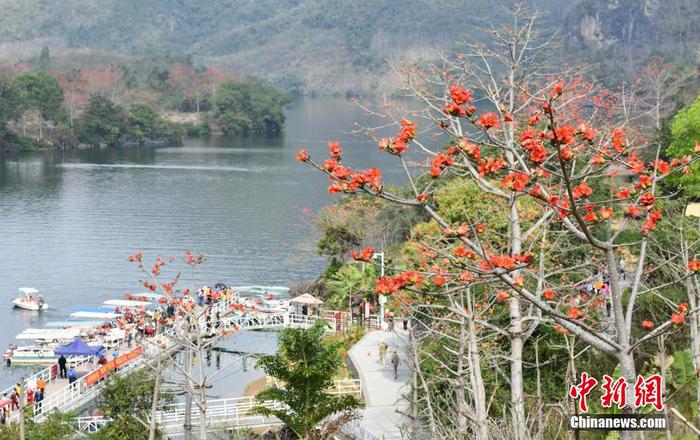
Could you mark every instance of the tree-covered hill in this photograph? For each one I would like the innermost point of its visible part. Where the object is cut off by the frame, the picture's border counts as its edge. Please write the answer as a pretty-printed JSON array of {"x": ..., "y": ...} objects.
[
  {"x": 329, "y": 46},
  {"x": 315, "y": 45}
]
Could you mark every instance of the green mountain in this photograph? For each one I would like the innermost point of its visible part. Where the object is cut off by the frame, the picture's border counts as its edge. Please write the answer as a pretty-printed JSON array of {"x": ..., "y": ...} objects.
[
  {"x": 328, "y": 46},
  {"x": 315, "y": 45}
]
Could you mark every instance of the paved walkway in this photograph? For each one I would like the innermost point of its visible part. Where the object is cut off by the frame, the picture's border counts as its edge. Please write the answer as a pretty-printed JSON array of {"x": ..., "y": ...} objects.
[{"x": 383, "y": 394}]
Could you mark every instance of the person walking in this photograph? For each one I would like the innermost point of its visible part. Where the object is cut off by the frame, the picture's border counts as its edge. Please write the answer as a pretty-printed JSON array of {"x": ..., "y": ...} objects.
[
  {"x": 382, "y": 353},
  {"x": 41, "y": 385},
  {"x": 405, "y": 322},
  {"x": 622, "y": 268},
  {"x": 391, "y": 323},
  {"x": 72, "y": 376},
  {"x": 395, "y": 363},
  {"x": 62, "y": 367}
]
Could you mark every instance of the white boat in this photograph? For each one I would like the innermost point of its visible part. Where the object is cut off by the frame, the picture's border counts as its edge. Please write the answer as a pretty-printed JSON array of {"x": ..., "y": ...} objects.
[
  {"x": 94, "y": 314},
  {"x": 126, "y": 303},
  {"x": 31, "y": 355},
  {"x": 54, "y": 335},
  {"x": 29, "y": 298}
]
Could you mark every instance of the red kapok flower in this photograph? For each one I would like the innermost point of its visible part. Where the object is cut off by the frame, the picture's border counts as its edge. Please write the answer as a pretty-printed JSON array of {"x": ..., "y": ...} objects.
[
  {"x": 678, "y": 318},
  {"x": 647, "y": 325},
  {"x": 647, "y": 199},
  {"x": 460, "y": 95},
  {"x": 694, "y": 265},
  {"x": 488, "y": 120},
  {"x": 365, "y": 254},
  {"x": 334, "y": 147},
  {"x": 605, "y": 212},
  {"x": 422, "y": 197},
  {"x": 574, "y": 313},
  {"x": 582, "y": 191},
  {"x": 515, "y": 181},
  {"x": 502, "y": 296},
  {"x": 683, "y": 308},
  {"x": 549, "y": 294},
  {"x": 303, "y": 155}
]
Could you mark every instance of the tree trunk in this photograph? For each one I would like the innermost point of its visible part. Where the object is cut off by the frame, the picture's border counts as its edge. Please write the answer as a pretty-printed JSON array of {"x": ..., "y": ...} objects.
[
  {"x": 188, "y": 396},
  {"x": 153, "y": 423},
  {"x": 694, "y": 337},
  {"x": 477, "y": 380},
  {"x": 629, "y": 372},
  {"x": 662, "y": 367},
  {"x": 515, "y": 330}
]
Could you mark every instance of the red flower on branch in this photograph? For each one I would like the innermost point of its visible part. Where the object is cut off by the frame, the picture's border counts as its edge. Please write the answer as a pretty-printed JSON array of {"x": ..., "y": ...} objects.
[
  {"x": 488, "y": 120},
  {"x": 365, "y": 254},
  {"x": 647, "y": 325},
  {"x": 335, "y": 150},
  {"x": 460, "y": 95},
  {"x": 582, "y": 191}
]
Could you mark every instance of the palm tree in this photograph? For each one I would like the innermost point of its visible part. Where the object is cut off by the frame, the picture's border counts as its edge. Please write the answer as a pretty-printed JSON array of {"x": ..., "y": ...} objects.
[{"x": 350, "y": 280}]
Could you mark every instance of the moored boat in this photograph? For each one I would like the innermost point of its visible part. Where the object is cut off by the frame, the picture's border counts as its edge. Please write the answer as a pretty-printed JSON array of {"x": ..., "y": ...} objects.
[{"x": 29, "y": 298}]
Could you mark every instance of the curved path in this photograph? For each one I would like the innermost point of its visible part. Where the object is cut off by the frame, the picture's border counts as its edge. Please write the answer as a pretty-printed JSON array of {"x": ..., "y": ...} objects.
[{"x": 381, "y": 418}]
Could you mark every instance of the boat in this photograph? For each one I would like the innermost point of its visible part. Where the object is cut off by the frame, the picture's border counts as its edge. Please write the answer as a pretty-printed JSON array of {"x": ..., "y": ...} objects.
[
  {"x": 262, "y": 289},
  {"x": 94, "y": 312},
  {"x": 146, "y": 296},
  {"x": 40, "y": 354},
  {"x": 53, "y": 335},
  {"x": 29, "y": 298},
  {"x": 126, "y": 303},
  {"x": 69, "y": 324}
]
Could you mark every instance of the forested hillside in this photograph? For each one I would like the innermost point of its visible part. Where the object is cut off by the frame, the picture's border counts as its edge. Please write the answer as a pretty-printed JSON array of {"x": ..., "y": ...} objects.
[
  {"x": 314, "y": 45},
  {"x": 329, "y": 46}
]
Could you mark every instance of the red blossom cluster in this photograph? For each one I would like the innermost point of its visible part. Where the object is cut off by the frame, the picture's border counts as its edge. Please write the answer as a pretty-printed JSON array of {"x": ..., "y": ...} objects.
[
  {"x": 679, "y": 317},
  {"x": 582, "y": 191},
  {"x": 694, "y": 265},
  {"x": 136, "y": 257},
  {"x": 365, "y": 254},
  {"x": 439, "y": 163},
  {"x": 459, "y": 106},
  {"x": 400, "y": 143},
  {"x": 488, "y": 120},
  {"x": 389, "y": 285},
  {"x": 516, "y": 181},
  {"x": 532, "y": 141}
]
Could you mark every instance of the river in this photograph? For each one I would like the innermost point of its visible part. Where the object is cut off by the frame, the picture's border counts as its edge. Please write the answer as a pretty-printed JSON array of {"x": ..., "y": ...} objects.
[{"x": 69, "y": 219}]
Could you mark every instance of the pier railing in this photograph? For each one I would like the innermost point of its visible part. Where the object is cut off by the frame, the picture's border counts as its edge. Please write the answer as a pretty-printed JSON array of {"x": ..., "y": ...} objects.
[{"x": 221, "y": 413}]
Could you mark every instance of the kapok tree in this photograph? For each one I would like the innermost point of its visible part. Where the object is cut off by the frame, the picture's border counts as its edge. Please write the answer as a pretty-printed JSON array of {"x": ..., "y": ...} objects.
[
  {"x": 552, "y": 140},
  {"x": 194, "y": 330}
]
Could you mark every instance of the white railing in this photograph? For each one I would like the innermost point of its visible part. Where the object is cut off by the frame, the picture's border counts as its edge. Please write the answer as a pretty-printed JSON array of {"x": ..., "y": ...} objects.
[
  {"x": 75, "y": 395},
  {"x": 91, "y": 423},
  {"x": 230, "y": 413}
]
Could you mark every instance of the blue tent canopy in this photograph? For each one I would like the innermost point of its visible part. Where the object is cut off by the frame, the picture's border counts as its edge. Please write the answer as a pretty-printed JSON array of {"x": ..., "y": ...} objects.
[{"x": 79, "y": 348}]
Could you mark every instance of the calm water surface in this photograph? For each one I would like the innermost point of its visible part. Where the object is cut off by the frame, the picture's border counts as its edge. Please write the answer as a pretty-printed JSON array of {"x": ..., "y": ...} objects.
[{"x": 68, "y": 220}]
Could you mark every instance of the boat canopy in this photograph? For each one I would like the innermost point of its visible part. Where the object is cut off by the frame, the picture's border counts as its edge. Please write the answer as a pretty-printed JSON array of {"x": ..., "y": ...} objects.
[
  {"x": 66, "y": 324},
  {"x": 147, "y": 295},
  {"x": 94, "y": 314},
  {"x": 28, "y": 291},
  {"x": 49, "y": 334},
  {"x": 79, "y": 348},
  {"x": 126, "y": 303}
]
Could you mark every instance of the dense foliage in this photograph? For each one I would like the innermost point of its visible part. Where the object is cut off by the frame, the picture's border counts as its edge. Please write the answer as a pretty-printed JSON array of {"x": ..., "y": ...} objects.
[
  {"x": 305, "y": 367},
  {"x": 123, "y": 400},
  {"x": 685, "y": 132},
  {"x": 247, "y": 107},
  {"x": 153, "y": 103}
]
